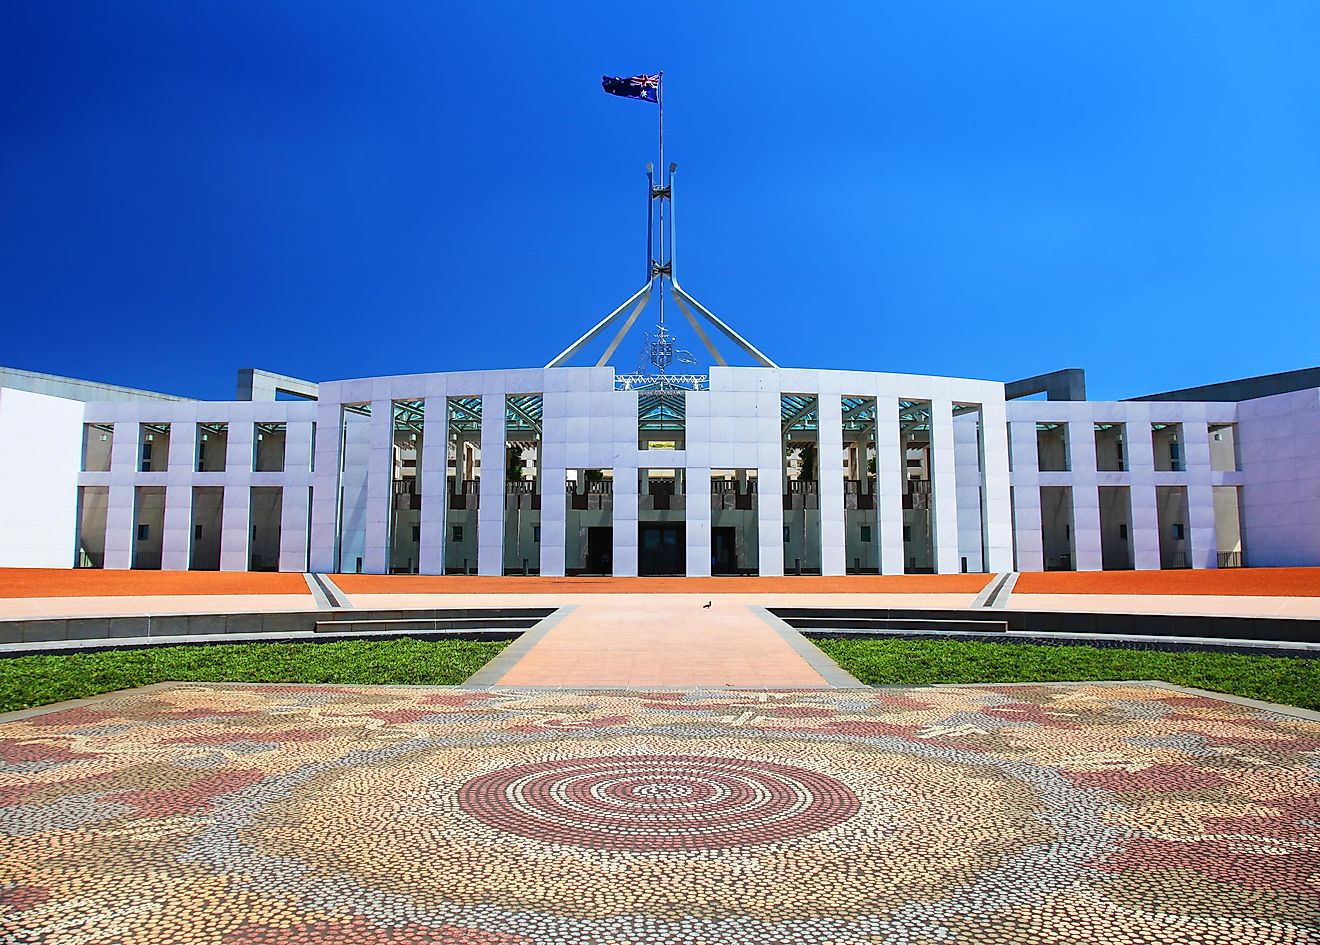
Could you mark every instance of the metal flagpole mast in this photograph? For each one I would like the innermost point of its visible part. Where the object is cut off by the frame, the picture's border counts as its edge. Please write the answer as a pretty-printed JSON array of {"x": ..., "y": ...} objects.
[{"x": 660, "y": 101}]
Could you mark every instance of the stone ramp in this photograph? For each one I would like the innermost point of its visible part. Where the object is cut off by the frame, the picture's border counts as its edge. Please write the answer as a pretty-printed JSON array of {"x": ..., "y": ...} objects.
[{"x": 645, "y": 641}]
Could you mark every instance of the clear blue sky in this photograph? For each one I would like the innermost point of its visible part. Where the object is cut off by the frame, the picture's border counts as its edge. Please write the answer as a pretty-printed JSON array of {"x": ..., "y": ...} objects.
[{"x": 338, "y": 190}]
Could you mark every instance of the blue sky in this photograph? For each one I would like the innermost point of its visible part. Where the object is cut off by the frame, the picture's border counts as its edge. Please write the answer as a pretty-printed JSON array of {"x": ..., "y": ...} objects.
[{"x": 340, "y": 190}]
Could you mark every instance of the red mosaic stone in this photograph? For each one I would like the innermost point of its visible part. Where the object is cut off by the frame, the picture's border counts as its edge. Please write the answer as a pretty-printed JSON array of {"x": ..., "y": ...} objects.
[{"x": 658, "y": 802}]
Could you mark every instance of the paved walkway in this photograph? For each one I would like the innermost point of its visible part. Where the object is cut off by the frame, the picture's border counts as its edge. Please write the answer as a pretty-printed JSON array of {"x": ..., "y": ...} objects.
[
  {"x": 212, "y": 814},
  {"x": 663, "y": 640}
]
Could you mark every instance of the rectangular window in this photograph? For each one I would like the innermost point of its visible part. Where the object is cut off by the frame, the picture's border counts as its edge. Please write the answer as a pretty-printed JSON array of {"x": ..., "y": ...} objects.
[
  {"x": 1178, "y": 531},
  {"x": 197, "y": 532},
  {"x": 866, "y": 533},
  {"x": 417, "y": 533},
  {"x": 144, "y": 531},
  {"x": 1122, "y": 531},
  {"x": 907, "y": 532},
  {"x": 458, "y": 533},
  {"x": 536, "y": 533},
  {"x": 145, "y": 466}
]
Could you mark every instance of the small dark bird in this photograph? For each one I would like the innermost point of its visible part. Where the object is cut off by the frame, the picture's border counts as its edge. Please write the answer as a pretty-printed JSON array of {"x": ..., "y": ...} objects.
[{"x": 706, "y": 606}]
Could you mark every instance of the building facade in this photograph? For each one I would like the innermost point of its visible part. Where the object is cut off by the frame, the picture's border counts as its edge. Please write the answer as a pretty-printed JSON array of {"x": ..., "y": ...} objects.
[{"x": 567, "y": 470}]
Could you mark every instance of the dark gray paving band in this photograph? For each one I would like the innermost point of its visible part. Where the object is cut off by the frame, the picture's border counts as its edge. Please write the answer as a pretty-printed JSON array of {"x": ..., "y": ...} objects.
[
  {"x": 988, "y": 592},
  {"x": 833, "y": 674},
  {"x": 1005, "y": 590},
  {"x": 495, "y": 670},
  {"x": 319, "y": 594},
  {"x": 337, "y": 597}
]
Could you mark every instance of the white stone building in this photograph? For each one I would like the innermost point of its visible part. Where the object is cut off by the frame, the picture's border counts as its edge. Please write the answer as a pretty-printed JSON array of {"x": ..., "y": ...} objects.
[{"x": 567, "y": 470}]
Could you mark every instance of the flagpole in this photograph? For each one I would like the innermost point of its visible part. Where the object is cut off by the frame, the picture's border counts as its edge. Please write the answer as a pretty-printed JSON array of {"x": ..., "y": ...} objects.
[{"x": 660, "y": 101}]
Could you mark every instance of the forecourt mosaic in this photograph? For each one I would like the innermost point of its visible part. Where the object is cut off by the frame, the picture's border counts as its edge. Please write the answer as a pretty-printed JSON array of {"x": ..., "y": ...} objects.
[{"x": 296, "y": 814}]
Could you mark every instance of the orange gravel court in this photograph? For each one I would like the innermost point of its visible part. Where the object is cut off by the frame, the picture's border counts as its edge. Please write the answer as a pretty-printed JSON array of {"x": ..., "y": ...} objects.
[{"x": 88, "y": 582}]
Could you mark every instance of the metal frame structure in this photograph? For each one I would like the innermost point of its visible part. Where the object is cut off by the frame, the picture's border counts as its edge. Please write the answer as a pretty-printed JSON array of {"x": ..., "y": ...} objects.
[{"x": 659, "y": 274}]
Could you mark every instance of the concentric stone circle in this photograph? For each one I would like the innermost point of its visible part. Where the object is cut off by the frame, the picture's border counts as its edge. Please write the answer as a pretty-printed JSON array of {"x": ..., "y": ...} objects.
[{"x": 656, "y": 803}]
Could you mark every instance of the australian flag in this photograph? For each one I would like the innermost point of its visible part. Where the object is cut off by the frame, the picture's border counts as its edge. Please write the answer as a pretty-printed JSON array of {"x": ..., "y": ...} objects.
[{"x": 645, "y": 87}]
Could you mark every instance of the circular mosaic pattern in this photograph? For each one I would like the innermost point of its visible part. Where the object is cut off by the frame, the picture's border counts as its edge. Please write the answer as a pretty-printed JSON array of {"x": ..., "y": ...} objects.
[{"x": 647, "y": 803}]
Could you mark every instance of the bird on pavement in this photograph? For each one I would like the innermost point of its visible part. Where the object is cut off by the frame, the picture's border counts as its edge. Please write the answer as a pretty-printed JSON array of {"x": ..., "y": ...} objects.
[{"x": 706, "y": 606}]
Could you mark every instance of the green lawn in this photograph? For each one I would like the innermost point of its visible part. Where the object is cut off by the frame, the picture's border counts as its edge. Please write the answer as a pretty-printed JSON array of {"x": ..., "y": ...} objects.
[
  {"x": 27, "y": 681},
  {"x": 1285, "y": 680}
]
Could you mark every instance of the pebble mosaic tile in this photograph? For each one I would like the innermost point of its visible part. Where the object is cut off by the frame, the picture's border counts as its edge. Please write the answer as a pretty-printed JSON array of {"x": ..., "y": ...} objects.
[{"x": 1011, "y": 815}]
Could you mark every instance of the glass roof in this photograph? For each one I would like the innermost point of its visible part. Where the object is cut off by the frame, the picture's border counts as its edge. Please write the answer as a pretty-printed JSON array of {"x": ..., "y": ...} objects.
[
  {"x": 661, "y": 411},
  {"x": 464, "y": 414},
  {"x": 522, "y": 413}
]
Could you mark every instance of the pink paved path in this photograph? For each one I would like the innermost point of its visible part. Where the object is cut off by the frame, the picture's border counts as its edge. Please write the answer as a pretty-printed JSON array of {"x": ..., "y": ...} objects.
[{"x": 646, "y": 640}]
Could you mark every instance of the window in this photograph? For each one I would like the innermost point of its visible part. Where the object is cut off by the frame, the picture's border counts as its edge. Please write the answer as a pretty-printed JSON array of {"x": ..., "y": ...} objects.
[
  {"x": 907, "y": 533},
  {"x": 866, "y": 533},
  {"x": 785, "y": 534},
  {"x": 146, "y": 457},
  {"x": 536, "y": 534},
  {"x": 1122, "y": 531},
  {"x": 458, "y": 533},
  {"x": 417, "y": 533},
  {"x": 143, "y": 532},
  {"x": 197, "y": 531},
  {"x": 1178, "y": 531}
]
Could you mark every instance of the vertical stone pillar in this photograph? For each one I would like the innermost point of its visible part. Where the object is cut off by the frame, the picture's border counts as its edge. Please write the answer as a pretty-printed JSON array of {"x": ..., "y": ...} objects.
[
  {"x": 829, "y": 452},
  {"x": 119, "y": 535},
  {"x": 1202, "y": 539},
  {"x": 1145, "y": 512},
  {"x": 890, "y": 472},
  {"x": 1085, "y": 495},
  {"x": 324, "y": 539},
  {"x": 490, "y": 513},
  {"x": 176, "y": 537},
  {"x": 236, "y": 517},
  {"x": 380, "y": 478},
  {"x": 696, "y": 484},
  {"x": 944, "y": 485},
  {"x": 434, "y": 485},
  {"x": 1028, "y": 537},
  {"x": 997, "y": 506}
]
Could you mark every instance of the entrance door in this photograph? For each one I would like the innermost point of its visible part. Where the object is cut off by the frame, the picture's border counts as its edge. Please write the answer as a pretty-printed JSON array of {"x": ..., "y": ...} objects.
[
  {"x": 600, "y": 549},
  {"x": 723, "y": 550},
  {"x": 660, "y": 549}
]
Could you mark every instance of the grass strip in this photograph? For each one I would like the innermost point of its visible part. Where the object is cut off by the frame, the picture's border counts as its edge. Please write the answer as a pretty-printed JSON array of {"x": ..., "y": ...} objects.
[
  {"x": 27, "y": 681},
  {"x": 1285, "y": 680}
]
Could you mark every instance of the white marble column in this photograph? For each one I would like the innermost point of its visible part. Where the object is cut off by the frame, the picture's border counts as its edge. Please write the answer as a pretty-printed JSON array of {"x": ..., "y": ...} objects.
[
  {"x": 1085, "y": 495},
  {"x": 1145, "y": 512},
  {"x": 1201, "y": 534},
  {"x": 380, "y": 480},
  {"x": 997, "y": 508},
  {"x": 324, "y": 539},
  {"x": 434, "y": 484},
  {"x": 696, "y": 484},
  {"x": 945, "y": 488},
  {"x": 236, "y": 517},
  {"x": 490, "y": 512},
  {"x": 829, "y": 454},
  {"x": 1028, "y": 538},
  {"x": 176, "y": 535},
  {"x": 890, "y": 471}
]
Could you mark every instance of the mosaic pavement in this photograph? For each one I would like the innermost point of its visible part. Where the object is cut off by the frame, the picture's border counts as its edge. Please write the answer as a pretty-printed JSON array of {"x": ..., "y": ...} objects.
[{"x": 297, "y": 814}]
